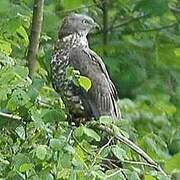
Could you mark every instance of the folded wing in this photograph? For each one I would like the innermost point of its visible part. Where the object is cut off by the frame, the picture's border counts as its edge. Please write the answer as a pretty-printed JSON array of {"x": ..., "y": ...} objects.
[{"x": 102, "y": 96}]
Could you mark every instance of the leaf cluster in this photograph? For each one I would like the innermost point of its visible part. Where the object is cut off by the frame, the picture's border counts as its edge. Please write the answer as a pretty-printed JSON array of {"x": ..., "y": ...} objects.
[{"x": 144, "y": 64}]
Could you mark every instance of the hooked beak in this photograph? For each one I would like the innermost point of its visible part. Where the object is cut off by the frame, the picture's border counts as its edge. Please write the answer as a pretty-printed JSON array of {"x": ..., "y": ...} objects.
[{"x": 96, "y": 26}]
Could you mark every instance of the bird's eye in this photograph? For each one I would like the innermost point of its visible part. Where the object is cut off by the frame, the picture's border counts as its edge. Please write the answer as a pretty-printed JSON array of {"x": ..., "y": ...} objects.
[{"x": 84, "y": 21}]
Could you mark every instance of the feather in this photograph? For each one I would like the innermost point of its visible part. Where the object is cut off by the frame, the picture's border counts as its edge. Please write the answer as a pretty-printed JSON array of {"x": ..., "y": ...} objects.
[
  {"x": 72, "y": 49},
  {"x": 102, "y": 94}
]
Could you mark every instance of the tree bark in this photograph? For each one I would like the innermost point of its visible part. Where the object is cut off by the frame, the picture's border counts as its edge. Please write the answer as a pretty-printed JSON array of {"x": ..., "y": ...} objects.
[
  {"x": 105, "y": 24},
  {"x": 35, "y": 35}
]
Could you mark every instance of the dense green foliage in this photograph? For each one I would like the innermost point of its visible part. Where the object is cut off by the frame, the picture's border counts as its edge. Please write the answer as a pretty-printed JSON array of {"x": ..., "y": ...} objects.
[{"x": 143, "y": 57}]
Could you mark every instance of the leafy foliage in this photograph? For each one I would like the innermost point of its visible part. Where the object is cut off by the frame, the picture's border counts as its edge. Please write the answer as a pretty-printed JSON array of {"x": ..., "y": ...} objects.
[{"x": 143, "y": 59}]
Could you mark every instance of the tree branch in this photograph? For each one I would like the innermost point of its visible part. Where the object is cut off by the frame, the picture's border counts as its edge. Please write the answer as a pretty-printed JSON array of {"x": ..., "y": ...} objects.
[
  {"x": 10, "y": 116},
  {"x": 124, "y": 23},
  {"x": 128, "y": 21},
  {"x": 105, "y": 21},
  {"x": 119, "y": 137},
  {"x": 153, "y": 29},
  {"x": 139, "y": 163},
  {"x": 35, "y": 35},
  {"x": 102, "y": 148},
  {"x": 132, "y": 146},
  {"x": 174, "y": 8}
]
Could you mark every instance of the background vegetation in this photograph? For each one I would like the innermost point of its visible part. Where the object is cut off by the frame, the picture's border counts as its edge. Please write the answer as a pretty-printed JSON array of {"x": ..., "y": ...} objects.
[{"x": 140, "y": 44}]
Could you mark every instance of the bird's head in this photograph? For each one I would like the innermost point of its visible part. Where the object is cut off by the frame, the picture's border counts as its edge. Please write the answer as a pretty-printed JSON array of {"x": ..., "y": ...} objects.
[{"x": 77, "y": 23}]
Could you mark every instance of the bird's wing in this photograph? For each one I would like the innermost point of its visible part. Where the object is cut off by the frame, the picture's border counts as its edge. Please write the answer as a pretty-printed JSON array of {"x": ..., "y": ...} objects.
[{"x": 102, "y": 95}]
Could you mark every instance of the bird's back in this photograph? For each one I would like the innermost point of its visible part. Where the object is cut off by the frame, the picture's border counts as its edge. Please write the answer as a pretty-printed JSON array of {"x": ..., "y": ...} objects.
[{"x": 102, "y": 96}]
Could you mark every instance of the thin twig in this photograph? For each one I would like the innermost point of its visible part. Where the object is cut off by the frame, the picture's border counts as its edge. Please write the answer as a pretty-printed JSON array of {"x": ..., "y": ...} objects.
[
  {"x": 113, "y": 174},
  {"x": 43, "y": 103},
  {"x": 153, "y": 29},
  {"x": 10, "y": 116},
  {"x": 124, "y": 23},
  {"x": 121, "y": 138},
  {"x": 139, "y": 163},
  {"x": 102, "y": 148},
  {"x": 70, "y": 134},
  {"x": 112, "y": 160},
  {"x": 106, "y": 145},
  {"x": 133, "y": 146},
  {"x": 85, "y": 150},
  {"x": 128, "y": 21}
]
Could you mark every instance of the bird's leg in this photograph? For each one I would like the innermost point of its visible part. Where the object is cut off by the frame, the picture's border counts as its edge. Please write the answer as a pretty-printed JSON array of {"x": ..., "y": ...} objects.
[{"x": 70, "y": 118}]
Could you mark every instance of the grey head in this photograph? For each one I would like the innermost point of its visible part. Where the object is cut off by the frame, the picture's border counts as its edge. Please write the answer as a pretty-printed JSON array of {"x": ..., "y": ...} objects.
[{"x": 76, "y": 23}]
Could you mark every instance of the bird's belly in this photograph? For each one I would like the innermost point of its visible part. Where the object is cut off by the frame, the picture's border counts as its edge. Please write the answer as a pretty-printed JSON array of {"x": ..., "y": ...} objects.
[{"x": 68, "y": 91}]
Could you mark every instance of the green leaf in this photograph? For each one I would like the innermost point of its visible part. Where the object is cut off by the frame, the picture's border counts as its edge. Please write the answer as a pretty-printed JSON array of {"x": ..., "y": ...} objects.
[
  {"x": 21, "y": 132},
  {"x": 177, "y": 52},
  {"x": 115, "y": 129},
  {"x": 54, "y": 115},
  {"x": 134, "y": 176},
  {"x": 55, "y": 144},
  {"x": 4, "y": 91},
  {"x": 79, "y": 131},
  {"x": 18, "y": 98},
  {"x": 155, "y": 7},
  {"x": 25, "y": 167},
  {"x": 91, "y": 133},
  {"x": 66, "y": 160},
  {"x": 107, "y": 120},
  {"x": 46, "y": 176},
  {"x": 148, "y": 177},
  {"x": 99, "y": 174},
  {"x": 119, "y": 152},
  {"x": 22, "y": 32},
  {"x": 41, "y": 152},
  {"x": 5, "y": 47},
  {"x": 85, "y": 82},
  {"x": 68, "y": 4},
  {"x": 69, "y": 149},
  {"x": 21, "y": 71},
  {"x": 3, "y": 161},
  {"x": 20, "y": 159},
  {"x": 4, "y": 6},
  {"x": 173, "y": 163},
  {"x": 6, "y": 60},
  {"x": 34, "y": 88}
]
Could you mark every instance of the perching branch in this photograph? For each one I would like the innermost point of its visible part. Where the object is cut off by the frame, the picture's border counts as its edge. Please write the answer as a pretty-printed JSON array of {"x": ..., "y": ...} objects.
[
  {"x": 96, "y": 156},
  {"x": 100, "y": 151},
  {"x": 35, "y": 35},
  {"x": 119, "y": 137},
  {"x": 139, "y": 163},
  {"x": 132, "y": 146}
]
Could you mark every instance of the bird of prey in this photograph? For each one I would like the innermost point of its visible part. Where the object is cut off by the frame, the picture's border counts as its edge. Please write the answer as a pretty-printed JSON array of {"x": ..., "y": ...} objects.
[{"x": 72, "y": 50}]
